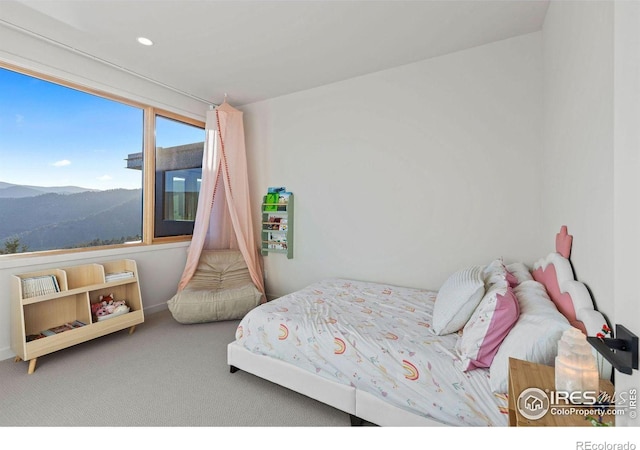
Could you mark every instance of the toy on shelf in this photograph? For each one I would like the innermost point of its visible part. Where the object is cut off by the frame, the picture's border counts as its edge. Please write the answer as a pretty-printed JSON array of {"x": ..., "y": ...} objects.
[{"x": 108, "y": 307}]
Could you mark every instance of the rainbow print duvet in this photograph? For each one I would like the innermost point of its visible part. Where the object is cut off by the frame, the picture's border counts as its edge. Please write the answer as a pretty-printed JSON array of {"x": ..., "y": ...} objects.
[{"x": 376, "y": 338}]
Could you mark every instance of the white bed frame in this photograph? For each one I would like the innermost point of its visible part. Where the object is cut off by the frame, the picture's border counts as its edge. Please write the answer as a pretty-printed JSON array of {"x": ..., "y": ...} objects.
[{"x": 362, "y": 406}]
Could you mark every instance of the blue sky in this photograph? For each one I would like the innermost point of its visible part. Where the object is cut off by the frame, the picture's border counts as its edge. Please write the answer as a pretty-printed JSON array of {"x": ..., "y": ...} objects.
[{"x": 51, "y": 135}]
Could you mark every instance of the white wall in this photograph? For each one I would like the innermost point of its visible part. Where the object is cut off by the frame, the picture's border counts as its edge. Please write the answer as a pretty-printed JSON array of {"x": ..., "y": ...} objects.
[
  {"x": 408, "y": 174},
  {"x": 578, "y": 138},
  {"x": 591, "y": 141},
  {"x": 626, "y": 264}
]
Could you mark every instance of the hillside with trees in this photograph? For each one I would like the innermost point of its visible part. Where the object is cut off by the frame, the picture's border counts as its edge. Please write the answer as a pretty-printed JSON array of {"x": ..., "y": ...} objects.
[{"x": 53, "y": 221}]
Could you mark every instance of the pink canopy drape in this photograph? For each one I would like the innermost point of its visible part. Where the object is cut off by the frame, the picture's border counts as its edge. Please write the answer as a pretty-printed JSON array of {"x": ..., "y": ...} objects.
[{"x": 223, "y": 218}]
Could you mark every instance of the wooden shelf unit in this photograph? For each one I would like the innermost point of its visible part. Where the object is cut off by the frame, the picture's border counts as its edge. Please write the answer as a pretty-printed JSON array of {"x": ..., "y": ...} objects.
[
  {"x": 275, "y": 239},
  {"x": 80, "y": 287}
]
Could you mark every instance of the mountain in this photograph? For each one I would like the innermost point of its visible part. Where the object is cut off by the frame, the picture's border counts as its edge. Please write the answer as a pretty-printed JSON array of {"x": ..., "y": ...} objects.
[
  {"x": 118, "y": 224},
  {"x": 53, "y": 220},
  {"x": 9, "y": 190},
  {"x": 19, "y": 192}
]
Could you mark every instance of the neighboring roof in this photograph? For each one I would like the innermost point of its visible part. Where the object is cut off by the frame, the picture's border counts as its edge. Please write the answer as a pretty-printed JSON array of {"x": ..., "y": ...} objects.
[{"x": 171, "y": 158}]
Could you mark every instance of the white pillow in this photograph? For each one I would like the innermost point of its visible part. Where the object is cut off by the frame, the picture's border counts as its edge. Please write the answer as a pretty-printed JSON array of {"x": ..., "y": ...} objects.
[
  {"x": 520, "y": 271},
  {"x": 457, "y": 299},
  {"x": 533, "y": 338}
]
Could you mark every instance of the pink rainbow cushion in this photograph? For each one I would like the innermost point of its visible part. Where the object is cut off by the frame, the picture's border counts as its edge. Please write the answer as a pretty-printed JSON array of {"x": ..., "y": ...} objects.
[{"x": 490, "y": 323}]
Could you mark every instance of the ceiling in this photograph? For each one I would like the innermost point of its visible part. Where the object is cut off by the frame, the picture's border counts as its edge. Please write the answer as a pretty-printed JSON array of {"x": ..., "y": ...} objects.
[{"x": 255, "y": 50}]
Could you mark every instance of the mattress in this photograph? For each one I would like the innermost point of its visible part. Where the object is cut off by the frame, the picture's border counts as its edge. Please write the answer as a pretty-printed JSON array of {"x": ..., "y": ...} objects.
[{"x": 378, "y": 339}]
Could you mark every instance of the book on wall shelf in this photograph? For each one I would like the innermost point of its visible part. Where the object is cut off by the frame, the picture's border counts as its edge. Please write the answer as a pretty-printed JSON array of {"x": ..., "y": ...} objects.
[
  {"x": 276, "y": 199},
  {"x": 273, "y": 223},
  {"x": 272, "y": 198},
  {"x": 277, "y": 241},
  {"x": 283, "y": 200}
]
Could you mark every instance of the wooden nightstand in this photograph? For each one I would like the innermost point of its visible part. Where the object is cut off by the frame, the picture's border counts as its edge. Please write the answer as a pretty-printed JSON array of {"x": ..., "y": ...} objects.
[{"x": 524, "y": 375}]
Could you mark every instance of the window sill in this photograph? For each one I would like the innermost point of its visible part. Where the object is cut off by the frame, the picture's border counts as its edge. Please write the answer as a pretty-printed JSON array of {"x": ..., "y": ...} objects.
[{"x": 62, "y": 256}]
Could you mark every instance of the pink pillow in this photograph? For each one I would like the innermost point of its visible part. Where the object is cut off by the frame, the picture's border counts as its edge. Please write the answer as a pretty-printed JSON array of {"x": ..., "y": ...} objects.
[
  {"x": 520, "y": 271},
  {"x": 511, "y": 279},
  {"x": 489, "y": 324}
]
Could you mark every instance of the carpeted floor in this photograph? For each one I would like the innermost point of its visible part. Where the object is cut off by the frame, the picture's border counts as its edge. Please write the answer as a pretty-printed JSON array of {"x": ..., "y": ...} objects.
[{"x": 164, "y": 375}]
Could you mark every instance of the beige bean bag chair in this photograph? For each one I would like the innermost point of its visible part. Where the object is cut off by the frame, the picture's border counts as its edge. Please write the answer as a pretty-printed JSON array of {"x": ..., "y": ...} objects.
[{"x": 220, "y": 289}]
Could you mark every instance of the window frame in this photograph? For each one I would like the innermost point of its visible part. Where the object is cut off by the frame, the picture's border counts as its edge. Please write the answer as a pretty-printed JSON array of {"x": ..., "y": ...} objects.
[
  {"x": 148, "y": 163},
  {"x": 168, "y": 225}
]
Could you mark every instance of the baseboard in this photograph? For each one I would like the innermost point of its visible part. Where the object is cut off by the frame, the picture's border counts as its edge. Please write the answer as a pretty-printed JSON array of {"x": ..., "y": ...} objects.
[
  {"x": 6, "y": 353},
  {"x": 155, "y": 308}
]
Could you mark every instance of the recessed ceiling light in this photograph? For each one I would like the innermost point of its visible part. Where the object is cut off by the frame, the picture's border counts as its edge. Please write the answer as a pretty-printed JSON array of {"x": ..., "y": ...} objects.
[{"x": 145, "y": 41}]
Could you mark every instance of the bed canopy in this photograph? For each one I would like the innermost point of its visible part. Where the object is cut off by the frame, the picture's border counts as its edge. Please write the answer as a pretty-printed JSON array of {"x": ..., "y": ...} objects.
[{"x": 223, "y": 218}]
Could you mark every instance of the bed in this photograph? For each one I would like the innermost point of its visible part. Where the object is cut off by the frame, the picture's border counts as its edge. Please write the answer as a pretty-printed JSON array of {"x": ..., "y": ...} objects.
[{"x": 401, "y": 356}]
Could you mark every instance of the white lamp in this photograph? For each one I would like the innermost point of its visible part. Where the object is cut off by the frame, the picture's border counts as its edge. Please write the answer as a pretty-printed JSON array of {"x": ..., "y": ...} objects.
[{"x": 575, "y": 366}]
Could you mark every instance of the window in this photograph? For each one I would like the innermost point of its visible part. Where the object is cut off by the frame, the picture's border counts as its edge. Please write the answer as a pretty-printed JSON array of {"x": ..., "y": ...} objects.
[
  {"x": 178, "y": 174},
  {"x": 72, "y": 168}
]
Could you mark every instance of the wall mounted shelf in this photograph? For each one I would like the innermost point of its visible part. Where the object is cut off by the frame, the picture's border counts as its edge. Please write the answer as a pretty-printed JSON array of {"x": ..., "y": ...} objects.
[
  {"x": 621, "y": 351},
  {"x": 277, "y": 227}
]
